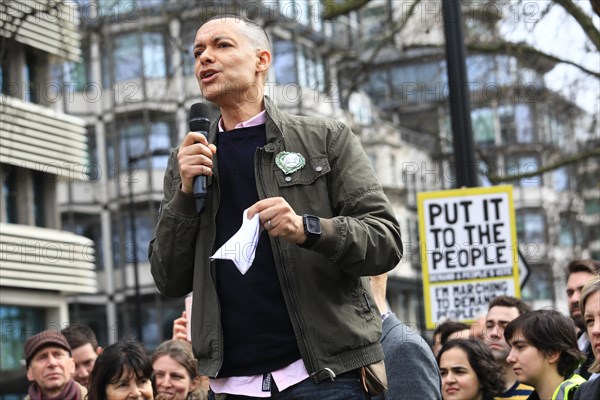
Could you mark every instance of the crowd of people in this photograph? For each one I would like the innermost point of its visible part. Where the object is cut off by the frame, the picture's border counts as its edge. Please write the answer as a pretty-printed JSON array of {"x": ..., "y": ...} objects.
[
  {"x": 524, "y": 353},
  {"x": 60, "y": 369},
  {"x": 308, "y": 319},
  {"x": 521, "y": 354}
]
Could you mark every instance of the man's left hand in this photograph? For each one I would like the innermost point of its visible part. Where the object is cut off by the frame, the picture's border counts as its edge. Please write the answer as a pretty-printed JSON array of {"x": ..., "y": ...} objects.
[{"x": 279, "y": 219}]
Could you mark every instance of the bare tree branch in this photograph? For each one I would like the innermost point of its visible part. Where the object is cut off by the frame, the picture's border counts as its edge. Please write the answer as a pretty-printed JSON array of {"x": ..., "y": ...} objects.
[
  {"x": 595, "y": 152},
  {"x": 521, "y": 50},
  {"x": 583, "y": 20},
  {"x": 596, "y": 6},
  {"x": 525, "y": 52},
  {"x": 334, "y": 9}
]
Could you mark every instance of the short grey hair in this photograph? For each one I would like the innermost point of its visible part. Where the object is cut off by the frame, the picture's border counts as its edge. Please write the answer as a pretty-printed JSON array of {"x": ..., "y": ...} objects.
[{"x": 253, "y": 31}]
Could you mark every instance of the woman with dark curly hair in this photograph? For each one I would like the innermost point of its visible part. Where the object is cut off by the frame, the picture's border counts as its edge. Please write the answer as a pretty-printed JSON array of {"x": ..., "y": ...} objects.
[
  {"x": 469, "y": 371},
  {"x": 122, "y": 372},
  {"x": 544, "y": 353}
]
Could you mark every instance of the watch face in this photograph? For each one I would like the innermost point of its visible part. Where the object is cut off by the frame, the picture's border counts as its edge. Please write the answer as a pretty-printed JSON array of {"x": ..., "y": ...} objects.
[{"x": 313, "y": 225}]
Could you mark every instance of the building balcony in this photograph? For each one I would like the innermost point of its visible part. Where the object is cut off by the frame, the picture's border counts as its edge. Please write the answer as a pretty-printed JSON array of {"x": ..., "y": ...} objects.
[
  {"x": 48, "y": 26},
  {"x": 38, "y": 138},
  {"x": 46, "y": 259}
]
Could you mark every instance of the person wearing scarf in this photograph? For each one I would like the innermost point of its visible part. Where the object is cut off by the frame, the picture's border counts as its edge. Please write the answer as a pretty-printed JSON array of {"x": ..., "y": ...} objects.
[{"x": 50, "y": 368}]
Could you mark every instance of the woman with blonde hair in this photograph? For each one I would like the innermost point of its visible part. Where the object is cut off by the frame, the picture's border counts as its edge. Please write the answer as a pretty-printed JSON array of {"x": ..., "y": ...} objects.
[
  {"x": 590, "y": 309},
  {"x": 176, "y": 372}
]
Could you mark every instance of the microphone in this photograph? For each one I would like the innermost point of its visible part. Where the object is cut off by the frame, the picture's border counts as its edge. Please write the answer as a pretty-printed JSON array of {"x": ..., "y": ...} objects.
[{"x": 199, "y": 122}]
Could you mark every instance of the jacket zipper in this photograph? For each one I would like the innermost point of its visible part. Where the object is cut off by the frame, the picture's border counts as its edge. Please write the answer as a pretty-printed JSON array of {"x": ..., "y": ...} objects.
[
  {"x": 212, "y": 265},
  {"x": 308, "y": 350}
]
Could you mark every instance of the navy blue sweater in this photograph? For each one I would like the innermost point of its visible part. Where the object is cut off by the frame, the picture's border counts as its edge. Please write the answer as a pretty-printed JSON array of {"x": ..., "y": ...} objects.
[{"x": 258, "y": 334}]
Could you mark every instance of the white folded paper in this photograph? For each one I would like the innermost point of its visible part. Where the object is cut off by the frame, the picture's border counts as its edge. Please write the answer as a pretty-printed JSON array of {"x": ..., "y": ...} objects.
[{"x": 241, "y": 247}]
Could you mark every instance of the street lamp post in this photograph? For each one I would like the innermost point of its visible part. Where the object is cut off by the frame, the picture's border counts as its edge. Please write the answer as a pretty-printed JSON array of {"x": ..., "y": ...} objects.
[
  {"x": 133, "y": 232},
  {"x": 462, "y": 134}
]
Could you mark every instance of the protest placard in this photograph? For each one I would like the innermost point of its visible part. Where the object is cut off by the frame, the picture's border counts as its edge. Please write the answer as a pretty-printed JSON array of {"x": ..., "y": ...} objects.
[{"x": 468, "y": 251}]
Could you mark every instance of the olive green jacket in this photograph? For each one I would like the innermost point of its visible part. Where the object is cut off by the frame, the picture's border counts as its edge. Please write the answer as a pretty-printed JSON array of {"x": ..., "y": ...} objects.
[{"x": 326, "y": 288}]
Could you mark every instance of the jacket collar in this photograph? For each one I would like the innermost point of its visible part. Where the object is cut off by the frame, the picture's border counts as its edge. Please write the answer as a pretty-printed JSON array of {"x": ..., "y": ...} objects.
[
  {"x": 274, "y": 122},
  {"x": 273, "y": 126}
]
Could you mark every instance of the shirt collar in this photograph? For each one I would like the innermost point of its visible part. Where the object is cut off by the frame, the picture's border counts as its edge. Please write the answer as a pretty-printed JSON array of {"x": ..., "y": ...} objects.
[{"x": 258, "y": 119}]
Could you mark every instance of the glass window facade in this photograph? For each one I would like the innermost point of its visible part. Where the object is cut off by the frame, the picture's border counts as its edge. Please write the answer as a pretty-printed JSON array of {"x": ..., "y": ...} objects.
[
  {"x": 145, "y": 221},
  {"x": 295, "y": 63},
  {"x": 531, "y": 227},
  {"x": 40, "y": 199},
  {"x": 592, "y": 206},
  {"x": 418, "y": 82},
  {"x": 135, "y": 54},
  {"x": 524, "y": 124},
  {"x": 77, "y": 75},
  {"x": 9, "y": 194},
  {"x": 188, "y": 35},
  {"x": 31, "y": 77},
  {"x": 377, "y": 87},
  {"x": 560, "y": 179},
  {"x": 522, "y": 164},
  {"x": 304, "y": 12},
  {"x": 427, "y": 81},
  {"x": 127, "y": 57},
  {"x": 557, "y": 130},
  {"x": 134, "y": 143},
  {"x": 18, "y": 323},
  {"x": 516, "y": 124},
  {"x": 410, "y": 184},
  {"x": 482, "y": 120},
  {"x": 154, "y": 57},
  {"x": 361, "y": 110},
  {"x": 158, "y": 313},
  {"x": 87, "y": 225},
  {"x": 566, "y": 235},
  {"x": 284, "y": 62}
]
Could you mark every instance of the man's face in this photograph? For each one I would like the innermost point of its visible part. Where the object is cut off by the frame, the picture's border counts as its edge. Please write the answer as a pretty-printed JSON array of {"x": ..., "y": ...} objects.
[
  {"x": 51, "y": 368},
  {"x": 497, "y": 319},
  {"x": 575, "y": 283},
  {"x": 84, "y": 357},
  {"x": 227, "y": 61}
]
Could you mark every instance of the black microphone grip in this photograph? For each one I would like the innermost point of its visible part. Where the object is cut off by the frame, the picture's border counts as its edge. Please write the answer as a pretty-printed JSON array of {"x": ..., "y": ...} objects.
[
  {"x": 200, "y": 192},
  {"x": 200, "y": 123}
]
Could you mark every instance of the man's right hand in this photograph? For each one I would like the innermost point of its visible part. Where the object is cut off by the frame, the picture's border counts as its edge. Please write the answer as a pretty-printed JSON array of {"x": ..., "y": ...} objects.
[{"x": 195, "y": 158}]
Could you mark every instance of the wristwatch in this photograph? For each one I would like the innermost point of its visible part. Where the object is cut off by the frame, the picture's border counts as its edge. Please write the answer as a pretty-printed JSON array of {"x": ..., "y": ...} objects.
[{"x": 312, "y": 230}]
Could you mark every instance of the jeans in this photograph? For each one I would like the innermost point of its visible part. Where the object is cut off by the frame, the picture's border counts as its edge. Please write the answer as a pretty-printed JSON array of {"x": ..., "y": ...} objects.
[{"x": 345, "y": 387}]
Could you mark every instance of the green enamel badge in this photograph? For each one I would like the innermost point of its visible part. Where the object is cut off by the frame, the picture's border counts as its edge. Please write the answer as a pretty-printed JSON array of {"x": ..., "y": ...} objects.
[{"x": 289, "y": 162}]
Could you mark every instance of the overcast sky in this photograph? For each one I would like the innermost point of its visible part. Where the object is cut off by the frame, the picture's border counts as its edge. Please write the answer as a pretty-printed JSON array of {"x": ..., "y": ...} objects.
[{"x": 558, "y": 34}]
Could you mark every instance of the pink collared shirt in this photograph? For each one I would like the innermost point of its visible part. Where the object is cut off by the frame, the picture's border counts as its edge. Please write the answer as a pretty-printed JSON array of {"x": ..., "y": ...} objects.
[
  {"x": 258, "y": 119},
  {"x": 284, "y": 377},
  {"x": 252, "y": 385}
]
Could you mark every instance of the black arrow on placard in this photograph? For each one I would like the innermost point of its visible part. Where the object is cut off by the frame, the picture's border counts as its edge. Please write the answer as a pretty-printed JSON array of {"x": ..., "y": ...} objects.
[{"x": 523, "y": 270}]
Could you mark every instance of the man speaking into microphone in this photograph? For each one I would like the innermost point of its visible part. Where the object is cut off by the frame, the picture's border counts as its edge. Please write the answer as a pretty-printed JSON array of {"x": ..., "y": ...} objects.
[{"x": 301, "y": 323}]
